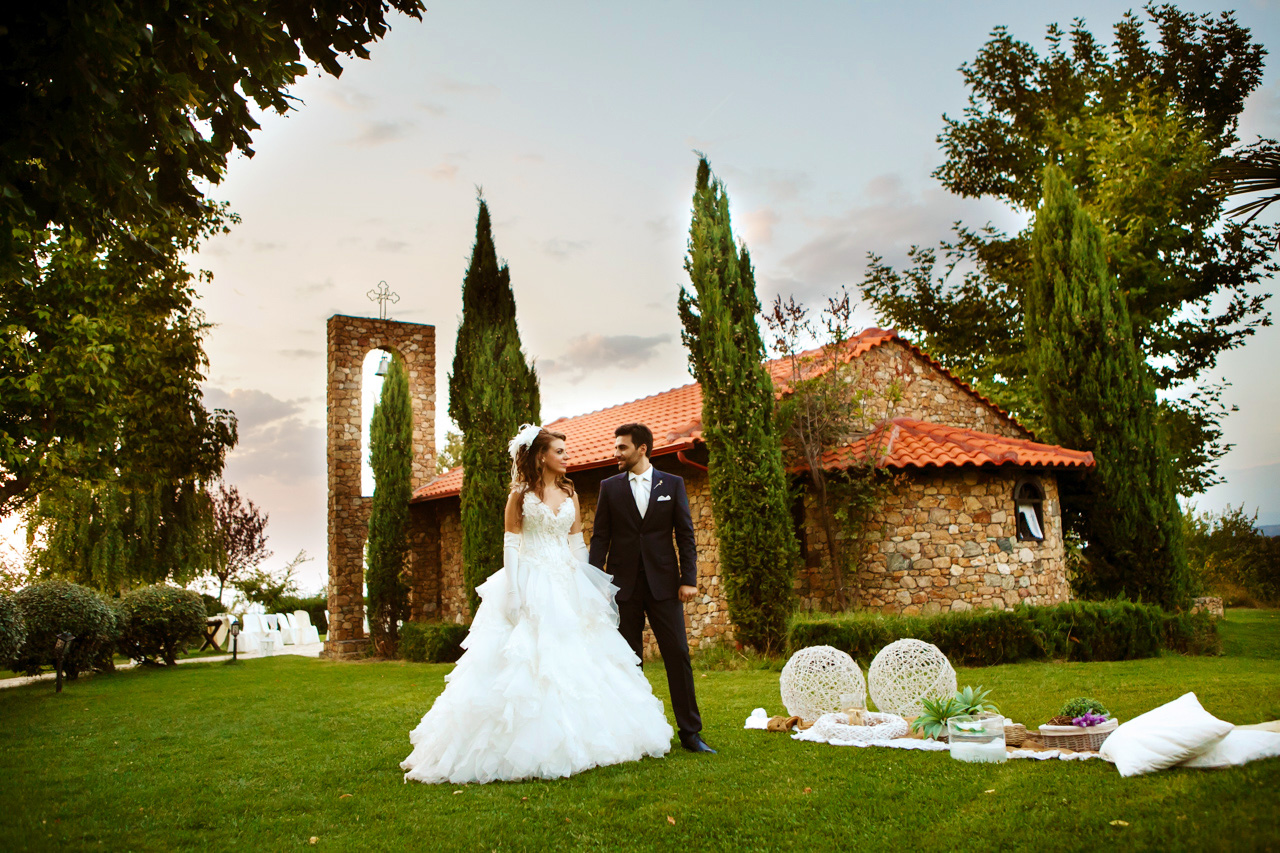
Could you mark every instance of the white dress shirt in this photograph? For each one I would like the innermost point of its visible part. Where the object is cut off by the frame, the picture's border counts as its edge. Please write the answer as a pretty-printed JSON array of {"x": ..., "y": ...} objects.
[{"x": 641, "y": 487}]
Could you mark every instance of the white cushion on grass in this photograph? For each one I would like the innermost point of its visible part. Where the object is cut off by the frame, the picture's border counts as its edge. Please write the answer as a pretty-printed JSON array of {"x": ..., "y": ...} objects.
[
  {"x": 1239, "y": 747},
  {"x": 1164, "y": 736}
]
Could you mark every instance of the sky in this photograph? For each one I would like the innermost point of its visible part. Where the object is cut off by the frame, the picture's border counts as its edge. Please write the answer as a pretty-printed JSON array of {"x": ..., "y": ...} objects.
[{"x": 580, "y": 122}]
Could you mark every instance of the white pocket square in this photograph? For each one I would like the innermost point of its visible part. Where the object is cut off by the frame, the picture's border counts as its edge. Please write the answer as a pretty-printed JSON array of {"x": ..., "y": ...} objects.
[{"x": 664, "y": 497}]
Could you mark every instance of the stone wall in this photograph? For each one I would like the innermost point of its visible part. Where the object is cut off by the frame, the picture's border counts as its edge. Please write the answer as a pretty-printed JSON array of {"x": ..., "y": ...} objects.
[
  {"x": 350, "y": 339},
  {"x": 945, "y": 539},
  {"x": 926, "y": 394}
]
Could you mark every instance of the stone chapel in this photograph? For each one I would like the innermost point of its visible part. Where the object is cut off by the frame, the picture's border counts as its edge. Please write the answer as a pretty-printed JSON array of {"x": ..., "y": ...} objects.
[{"x": 972, "y": 519}]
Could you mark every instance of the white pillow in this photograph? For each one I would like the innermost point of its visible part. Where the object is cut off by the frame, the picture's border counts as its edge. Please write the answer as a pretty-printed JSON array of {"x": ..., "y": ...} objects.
[
  {"x": 1163, "y": 737},
  {"x": 1238, "y": 747}
]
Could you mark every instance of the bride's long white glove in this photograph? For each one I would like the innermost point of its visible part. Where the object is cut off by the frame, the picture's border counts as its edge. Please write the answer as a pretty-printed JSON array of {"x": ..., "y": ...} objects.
[
  {"x": 578, "y": 547},
  {"x": 515, "y": 583}
]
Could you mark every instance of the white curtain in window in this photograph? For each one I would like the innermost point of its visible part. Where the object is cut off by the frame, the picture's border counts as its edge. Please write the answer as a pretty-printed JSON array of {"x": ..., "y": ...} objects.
[{"x": 1028, "y": 513}]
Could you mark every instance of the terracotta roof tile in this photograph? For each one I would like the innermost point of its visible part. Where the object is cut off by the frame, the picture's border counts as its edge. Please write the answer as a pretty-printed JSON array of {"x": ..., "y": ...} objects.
[
  {"x": 675, "y": 417},
  {"x": 906, "y": 442}
]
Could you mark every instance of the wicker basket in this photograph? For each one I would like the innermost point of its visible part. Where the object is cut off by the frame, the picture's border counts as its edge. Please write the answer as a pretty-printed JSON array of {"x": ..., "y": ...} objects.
[
  {"x": 1077, "y": 737},
  {"x": 1015, "y": 734}
]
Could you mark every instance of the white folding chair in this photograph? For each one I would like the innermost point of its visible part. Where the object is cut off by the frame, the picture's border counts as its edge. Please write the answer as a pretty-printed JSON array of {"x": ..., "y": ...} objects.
[
  {"x": 287, "y": 633},
  {"x": 250, "y": 638},
  {"x": 307, "y": 632}
]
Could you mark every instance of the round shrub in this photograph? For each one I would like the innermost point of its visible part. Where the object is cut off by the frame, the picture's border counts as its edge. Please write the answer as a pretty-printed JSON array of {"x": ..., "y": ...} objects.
[
  {"x": 1082, "y": 705},
  {"x": 13, "y": 628},
  {"x": 160, "y": 622},
  {"x": 51, "y": 607}
]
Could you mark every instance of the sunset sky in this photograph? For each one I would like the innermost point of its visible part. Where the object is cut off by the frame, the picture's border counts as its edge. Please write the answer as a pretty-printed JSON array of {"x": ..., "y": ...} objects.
[{"x": 580, "y": 120}]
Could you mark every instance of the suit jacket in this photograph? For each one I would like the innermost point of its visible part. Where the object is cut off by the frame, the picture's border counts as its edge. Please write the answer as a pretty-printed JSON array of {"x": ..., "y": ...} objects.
[{"x": 621, "y": 539}]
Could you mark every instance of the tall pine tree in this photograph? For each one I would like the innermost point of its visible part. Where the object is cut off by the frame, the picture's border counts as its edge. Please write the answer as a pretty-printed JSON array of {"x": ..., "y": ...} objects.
[
  {"x": 749, "y": 496},
  {"x": 1099, "y": 395},
  {"x": 391, "y": 457},
  {"x": 492, "y": 390}
]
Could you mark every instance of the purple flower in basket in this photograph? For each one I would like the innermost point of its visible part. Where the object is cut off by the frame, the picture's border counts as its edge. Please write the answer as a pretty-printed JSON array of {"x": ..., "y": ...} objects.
[{"x": 1089, "y": 719}]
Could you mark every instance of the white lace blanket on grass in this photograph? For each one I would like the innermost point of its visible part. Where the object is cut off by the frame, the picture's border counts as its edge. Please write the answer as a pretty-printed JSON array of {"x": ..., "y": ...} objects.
[{"x": 834, "y": 729}]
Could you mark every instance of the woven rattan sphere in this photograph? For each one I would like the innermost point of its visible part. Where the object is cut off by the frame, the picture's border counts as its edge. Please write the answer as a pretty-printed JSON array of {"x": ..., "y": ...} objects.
[
  {"x": 821, "y": 680},
  {"x": 906, "y": 672}
]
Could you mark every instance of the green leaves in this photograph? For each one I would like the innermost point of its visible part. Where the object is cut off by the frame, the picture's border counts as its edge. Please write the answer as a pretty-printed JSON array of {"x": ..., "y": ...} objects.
[
  {"x": 749, "y": 494},
  {"x": 387, "y": 547},
  {"x": 933, "y": 720},
  {"x": 973, "y": 700}
]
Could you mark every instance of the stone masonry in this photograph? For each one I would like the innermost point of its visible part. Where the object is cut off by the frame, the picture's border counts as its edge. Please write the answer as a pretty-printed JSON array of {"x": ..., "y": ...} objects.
[
  {"x": 350, "y": 339},
  {"x": 944, "y": 539}
]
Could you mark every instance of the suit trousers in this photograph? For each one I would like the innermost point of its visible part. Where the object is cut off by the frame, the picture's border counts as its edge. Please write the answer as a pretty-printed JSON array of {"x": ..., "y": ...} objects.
[{"x": 666, "y": 618}]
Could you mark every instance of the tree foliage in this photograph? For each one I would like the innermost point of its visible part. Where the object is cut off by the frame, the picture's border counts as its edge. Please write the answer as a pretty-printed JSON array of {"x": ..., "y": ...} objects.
[
  {"x": 1136, "y": 130},
  {"x": 492, "y": 391},
  {"x": 824, "y": 406},
  {"x": 1232, "y": 558},
  {"x": 241, "y": 531},
  {"x": 274, "y": 590},
  {"x": 748, "y": 481},
  {"x": 387, "y": 548},
  {"x": 101, "y": 362},
  {"x": 110, "y": 117},
  {"x": 1099, "y": 395},
  {"x": 114, "y": 536}
]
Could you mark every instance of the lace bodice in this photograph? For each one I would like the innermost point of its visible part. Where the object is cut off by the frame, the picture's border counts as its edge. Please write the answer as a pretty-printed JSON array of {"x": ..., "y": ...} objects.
[{"x": 543, "y": 526}]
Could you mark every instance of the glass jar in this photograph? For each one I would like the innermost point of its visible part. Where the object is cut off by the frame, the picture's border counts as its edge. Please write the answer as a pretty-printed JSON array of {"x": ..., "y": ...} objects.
[{"x": 977, "y": 738}]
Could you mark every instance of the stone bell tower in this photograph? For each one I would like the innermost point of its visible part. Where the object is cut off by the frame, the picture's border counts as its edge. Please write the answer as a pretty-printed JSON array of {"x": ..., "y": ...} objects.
[{"x": 350, "y": 339}]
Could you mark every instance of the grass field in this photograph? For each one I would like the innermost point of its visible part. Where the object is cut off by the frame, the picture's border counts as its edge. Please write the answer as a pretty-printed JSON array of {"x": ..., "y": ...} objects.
[{"x": 273, "y": 752}]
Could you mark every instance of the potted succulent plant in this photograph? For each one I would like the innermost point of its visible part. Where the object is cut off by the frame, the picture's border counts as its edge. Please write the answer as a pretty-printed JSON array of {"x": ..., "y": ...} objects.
[
  {"x": 1083, "y": 723},
  {"x": 971, "y": 702}
]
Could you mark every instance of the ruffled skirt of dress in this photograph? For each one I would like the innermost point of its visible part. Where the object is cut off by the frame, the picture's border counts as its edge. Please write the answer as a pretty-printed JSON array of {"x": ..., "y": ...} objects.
[{"x": 558, "y": 693}]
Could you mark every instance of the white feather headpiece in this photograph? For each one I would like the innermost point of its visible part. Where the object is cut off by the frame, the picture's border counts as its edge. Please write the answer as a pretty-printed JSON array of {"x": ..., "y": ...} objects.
[{"x": 524, "y": 438}]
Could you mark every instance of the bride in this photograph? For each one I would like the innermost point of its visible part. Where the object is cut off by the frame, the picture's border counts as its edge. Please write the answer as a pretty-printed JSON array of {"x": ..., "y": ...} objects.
[{"x": 547, "y": 686}]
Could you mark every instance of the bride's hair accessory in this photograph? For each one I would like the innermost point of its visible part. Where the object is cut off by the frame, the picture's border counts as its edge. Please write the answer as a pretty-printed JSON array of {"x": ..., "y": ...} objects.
[{"x": 524, "y": 438}]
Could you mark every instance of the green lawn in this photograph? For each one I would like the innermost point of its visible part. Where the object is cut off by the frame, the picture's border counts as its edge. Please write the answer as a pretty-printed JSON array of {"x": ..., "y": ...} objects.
[{"x": 272, "y": 752}]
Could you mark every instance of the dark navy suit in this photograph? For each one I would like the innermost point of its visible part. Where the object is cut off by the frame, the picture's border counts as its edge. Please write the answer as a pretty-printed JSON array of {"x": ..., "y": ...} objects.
[{"x": 650, "y": 558}]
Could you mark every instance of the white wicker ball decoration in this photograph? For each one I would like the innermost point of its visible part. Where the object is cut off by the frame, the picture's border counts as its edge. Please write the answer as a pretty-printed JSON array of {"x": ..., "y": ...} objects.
[
  {"x": 821, "y": 680},
  {"x": 906, "y": 672}
]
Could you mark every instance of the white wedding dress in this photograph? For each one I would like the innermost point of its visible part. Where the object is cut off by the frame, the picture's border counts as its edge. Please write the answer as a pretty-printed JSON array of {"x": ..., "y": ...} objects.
[{"x": 557, "y": 693}]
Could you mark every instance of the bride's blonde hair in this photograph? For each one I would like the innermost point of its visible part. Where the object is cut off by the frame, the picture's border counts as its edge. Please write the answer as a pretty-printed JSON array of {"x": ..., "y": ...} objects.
[{"x": 526, "y": 469}]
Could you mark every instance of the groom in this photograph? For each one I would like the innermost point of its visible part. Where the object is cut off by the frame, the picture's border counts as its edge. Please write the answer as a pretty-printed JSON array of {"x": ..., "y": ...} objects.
[{"x": 637, "y": 514}]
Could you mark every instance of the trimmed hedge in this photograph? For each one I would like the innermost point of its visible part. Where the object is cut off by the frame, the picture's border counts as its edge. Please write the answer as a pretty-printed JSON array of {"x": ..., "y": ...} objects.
[
  {"x": 1077, "y": 630},
  {"x": 13, "y": 628},
  {"x": 50, "y": 607},
  {"x": 317, "y": 607},
  {"x": 431, "y": 642},
  {"x": 159, "y": 622}
]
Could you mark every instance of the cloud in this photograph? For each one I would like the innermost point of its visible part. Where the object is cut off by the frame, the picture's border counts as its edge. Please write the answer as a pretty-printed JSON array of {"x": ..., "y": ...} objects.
[
  {"x": 275, "y": 442},
  {"x": 386, "y": 244},
  {"x": 588, "y": 353},
  {"x": 314, "y": 287},
  {"x": 436, "y": 110},
  {"x": 268, "y": 246},
  {"x": 453, "y": 86},
  {"x": 777, "y": 185},
  {"x": 888, "y": 221},
  {"x": 349, "y": 99},
  {"x": 444, "y": 172},
  {"x": 380, "y": 132},
  {"x": 658, "y": 228},
  {"x": 300, "y": 353},
  {"x": 530, "y": 158},
  {"x": 558, "y": 248},
  {"x": 757, "y": 226}
]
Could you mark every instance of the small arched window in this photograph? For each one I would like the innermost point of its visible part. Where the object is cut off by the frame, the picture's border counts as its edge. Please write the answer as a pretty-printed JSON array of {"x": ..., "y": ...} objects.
[{"x": 1028, "y": 510}]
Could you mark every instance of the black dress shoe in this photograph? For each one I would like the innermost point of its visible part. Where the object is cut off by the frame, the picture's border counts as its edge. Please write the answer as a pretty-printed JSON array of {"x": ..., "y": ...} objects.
[{"x": 694, "y": 743}]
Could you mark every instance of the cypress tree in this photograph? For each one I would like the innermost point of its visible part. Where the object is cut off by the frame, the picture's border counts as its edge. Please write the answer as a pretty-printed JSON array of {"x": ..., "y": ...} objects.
[
  {"x": 386, "y": 549},
  {"x": 1099, "y": 395},
  {"x": 749, "y": 495},
  {"x": 492, "y": 390}
]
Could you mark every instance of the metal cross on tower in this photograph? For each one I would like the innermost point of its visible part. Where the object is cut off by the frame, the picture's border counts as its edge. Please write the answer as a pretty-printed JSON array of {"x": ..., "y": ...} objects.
[{"x": 382, "y": 294}]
